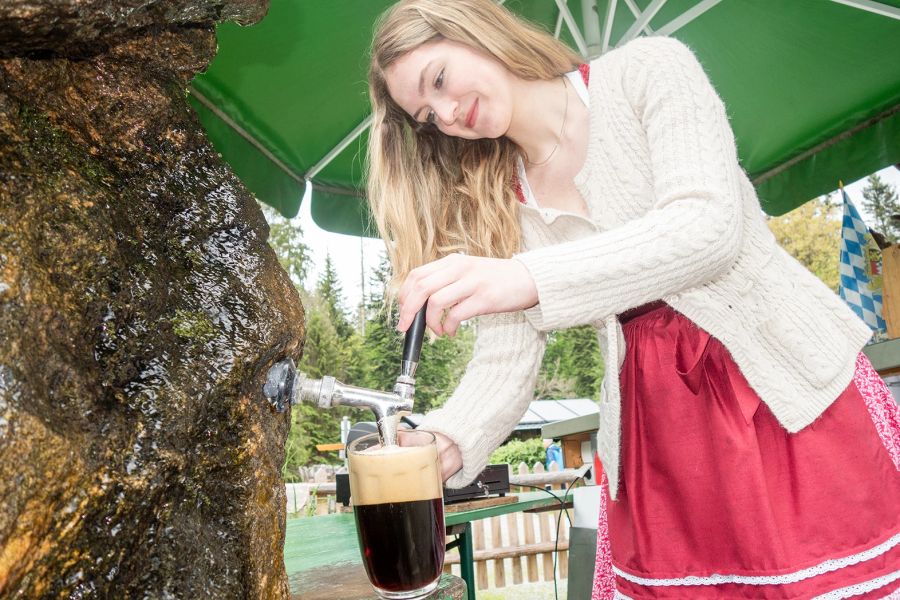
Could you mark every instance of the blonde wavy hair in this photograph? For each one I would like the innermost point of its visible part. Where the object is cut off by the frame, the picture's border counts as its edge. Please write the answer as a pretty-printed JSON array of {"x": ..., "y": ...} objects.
[{"x": 433, "y": 194}]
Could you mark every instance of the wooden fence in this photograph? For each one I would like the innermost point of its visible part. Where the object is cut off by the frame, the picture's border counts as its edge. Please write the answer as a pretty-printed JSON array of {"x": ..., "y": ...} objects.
[{"x": 509, "y": 549}]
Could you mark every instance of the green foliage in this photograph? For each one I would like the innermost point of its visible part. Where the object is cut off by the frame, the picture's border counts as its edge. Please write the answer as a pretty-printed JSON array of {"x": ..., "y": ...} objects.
[
  {"x": 311, "y": 426},
  {"x": 513, "y": 452},
  {"x": 193, "y": 325},
  {"x": 811, "y": 233},
  {"x": 880, "y": 200},
  {"x": 312, "y": 503},
  {"x": 442, "y": 365},
  {"x": 297, "y": 450},
  {"x": 331, "y": 348},
  {"x": 572, "y": 365},
  {"x": 325, "y": 353}
]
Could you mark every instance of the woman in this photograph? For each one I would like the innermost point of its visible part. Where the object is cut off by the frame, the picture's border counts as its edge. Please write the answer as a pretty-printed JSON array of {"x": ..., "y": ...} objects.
[{"x": 509, "y": 183}]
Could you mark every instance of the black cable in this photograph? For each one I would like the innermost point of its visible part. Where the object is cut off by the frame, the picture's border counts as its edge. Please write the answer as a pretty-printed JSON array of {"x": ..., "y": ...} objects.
[
  {"x": 563, "y": 508},
  {"x": 561, "y": 501},
  {"x": 558, "y": 521}
]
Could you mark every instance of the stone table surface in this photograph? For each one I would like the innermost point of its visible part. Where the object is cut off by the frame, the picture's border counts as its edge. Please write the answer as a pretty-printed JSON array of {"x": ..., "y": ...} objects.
[{"x": 349, "y": 582}]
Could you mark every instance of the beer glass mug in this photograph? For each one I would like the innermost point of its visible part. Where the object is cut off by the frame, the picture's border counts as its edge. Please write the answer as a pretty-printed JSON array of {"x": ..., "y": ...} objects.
[{"x": 398, "y": 503}]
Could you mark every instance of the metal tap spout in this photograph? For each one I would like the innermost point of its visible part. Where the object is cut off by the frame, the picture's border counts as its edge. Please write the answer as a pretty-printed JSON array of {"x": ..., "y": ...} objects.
[{"x": 285, "y": 386}]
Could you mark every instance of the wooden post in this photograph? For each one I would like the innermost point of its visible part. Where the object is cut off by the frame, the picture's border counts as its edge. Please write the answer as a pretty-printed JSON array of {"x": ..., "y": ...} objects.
[
  {"x": 554, "y": 468},
  {"x": 290, "y": 492},
  {"x": 497, "y": 543},
  {"x": 481, "y": 574},
  {"x": 523, "y": 470},
  {"x": 890, "y": 268},
  {"x": 529, "y": 541},
  {"x": 321, "y": 508},
  {"x": 512, "y": 525},
  {"x": 562, "y": 558},
  {"x": 545, "y": 537},
  {"x": 538, "y": 468},
  {"x": 571, "y": 447}
]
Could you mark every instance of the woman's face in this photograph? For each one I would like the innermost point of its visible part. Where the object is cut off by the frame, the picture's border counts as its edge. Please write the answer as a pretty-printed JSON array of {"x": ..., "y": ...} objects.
[{"x": 464, "y": 92}]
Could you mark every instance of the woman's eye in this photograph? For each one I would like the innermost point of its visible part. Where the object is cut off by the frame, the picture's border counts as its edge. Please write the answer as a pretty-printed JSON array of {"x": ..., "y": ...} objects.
[{"x": 440, "y": 80}]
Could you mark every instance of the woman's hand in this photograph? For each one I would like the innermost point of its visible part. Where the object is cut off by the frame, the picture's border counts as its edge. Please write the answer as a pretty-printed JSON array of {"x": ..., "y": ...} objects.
[
  {"x": 448, "y": 451},
  {"x": 449, "y": 455},
  {"x": 464, "y": 287}
]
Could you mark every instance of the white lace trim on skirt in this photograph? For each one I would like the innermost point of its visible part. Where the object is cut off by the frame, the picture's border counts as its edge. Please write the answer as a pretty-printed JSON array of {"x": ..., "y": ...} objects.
[{"x": 785, "y": 578}]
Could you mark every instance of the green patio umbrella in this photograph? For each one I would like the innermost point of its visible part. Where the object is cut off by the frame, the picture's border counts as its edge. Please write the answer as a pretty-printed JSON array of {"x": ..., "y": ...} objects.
[{"x": 812, "y": 88}]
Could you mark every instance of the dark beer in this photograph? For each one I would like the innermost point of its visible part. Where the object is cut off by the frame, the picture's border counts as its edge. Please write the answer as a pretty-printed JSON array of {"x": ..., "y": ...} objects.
[
  {"x": 402, "y": 543},
  {"x": 398, "y": 504}
]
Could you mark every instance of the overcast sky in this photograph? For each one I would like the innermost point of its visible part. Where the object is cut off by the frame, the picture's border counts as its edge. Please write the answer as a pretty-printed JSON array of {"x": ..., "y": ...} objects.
[{"x": 345, "y": 249}]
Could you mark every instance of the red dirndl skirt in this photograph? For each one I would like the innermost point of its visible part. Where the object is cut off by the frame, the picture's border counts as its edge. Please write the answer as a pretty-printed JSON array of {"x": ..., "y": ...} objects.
[{"x": 718, "y": 500}]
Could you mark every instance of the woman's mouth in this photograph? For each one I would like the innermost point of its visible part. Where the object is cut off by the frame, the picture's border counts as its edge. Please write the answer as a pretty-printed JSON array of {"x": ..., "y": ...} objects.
[{"x": 473, "y": 114}]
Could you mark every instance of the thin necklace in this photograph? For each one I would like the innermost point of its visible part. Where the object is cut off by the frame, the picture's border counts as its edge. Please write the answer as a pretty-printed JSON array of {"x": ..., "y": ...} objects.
[{"x": 559, "y": 137}]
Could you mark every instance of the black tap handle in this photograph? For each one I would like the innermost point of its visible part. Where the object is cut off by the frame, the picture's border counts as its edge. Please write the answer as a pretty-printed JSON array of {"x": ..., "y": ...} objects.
[{"x": 412, "y": 345}]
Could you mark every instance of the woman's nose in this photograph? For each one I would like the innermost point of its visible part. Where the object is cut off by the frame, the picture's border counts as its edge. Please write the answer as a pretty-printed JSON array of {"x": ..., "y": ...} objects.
[{"x": 447, "y": 112}]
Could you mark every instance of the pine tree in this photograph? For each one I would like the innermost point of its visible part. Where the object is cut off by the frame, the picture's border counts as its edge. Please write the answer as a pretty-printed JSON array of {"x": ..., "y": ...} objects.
[
  {"x": 383, "y": 345},
  {"x": 328, "y": 289},
  {"x": 329, "y": 295},
  {"x": 880, "y": 200},
  {"x": 572, "y": 366},
  {"x": 322, "y": 350},
  {"x": 285, "y": 238}
]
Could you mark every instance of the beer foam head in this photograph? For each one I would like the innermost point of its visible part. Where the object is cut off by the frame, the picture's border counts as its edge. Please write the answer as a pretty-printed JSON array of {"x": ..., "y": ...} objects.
[{"x": 395, "y": 474}]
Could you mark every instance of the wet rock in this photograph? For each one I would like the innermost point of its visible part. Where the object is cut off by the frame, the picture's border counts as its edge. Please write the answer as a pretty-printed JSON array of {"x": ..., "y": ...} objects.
[
  {"x": 74, "y": 28},
  {"x": 140, "y": 309}
]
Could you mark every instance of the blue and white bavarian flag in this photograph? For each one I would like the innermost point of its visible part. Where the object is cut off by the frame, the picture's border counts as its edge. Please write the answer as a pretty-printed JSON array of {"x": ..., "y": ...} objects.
[{"x": 854, "y": 288}]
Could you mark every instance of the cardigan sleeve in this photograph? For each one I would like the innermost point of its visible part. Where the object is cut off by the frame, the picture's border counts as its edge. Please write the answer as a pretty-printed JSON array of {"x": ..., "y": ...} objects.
[
  {"x": 692, "y": 233},
  {"x": 494, "y": 392}
]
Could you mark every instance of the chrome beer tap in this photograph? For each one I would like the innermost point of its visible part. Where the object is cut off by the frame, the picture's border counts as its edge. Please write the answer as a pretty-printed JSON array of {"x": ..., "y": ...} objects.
[{"x": 284, "y": 384}]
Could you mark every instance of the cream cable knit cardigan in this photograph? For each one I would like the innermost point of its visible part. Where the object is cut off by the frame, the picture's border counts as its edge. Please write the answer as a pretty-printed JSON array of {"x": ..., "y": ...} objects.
[{"x": 672, "y": 217}]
